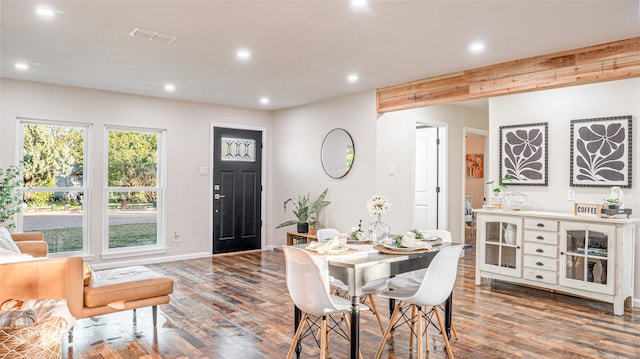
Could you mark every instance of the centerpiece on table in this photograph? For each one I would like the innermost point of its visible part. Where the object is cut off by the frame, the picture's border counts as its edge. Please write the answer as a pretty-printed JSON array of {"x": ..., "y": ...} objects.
[{"x": 377, "y": 207}]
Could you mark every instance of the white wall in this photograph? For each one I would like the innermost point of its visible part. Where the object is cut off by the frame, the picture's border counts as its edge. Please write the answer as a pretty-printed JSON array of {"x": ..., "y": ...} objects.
[
  {"x": 396, "y": 139},
  {"x": 187, "y": 125},
  {"x": 558, "y": 107},
  {"x": 298, "y": 134}
]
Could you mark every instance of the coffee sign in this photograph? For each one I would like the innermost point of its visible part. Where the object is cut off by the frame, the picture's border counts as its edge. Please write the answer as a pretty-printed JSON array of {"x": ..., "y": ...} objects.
[{"x": 587, "y": 209}]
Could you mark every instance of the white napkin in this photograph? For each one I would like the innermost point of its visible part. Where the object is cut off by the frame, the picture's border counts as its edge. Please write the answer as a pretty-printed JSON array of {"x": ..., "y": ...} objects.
[
  {"x": 409, "y": 240},
  {"x": 325, "y": 247}
]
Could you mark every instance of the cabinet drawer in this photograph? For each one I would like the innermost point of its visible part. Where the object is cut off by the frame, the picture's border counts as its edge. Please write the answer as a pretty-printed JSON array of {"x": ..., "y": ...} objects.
[
  {"x": 539, "y": 262},
  {"x": 541, "y": 224},
  {"x": 539, "y": 249},
  {"x": 540, "y": 276},
  {"x": 541, "y": 237}
]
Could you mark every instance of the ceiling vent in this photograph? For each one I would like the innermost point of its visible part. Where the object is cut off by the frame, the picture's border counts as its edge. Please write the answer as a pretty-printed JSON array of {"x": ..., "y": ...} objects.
[{"x": 152, "y": 35}]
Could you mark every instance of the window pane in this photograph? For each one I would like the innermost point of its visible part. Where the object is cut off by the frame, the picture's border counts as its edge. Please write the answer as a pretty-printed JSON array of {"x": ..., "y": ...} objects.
[
  {"x": 53, "y": 156},
  {"x": 133, "y": 159},
  {"x": 53, "y": 174},
  {"x": 133, "y": 219},
  {"x": 61, "y": 221}
]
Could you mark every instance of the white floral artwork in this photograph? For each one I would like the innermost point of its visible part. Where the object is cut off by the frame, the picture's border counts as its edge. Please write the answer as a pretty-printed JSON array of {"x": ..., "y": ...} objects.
[
  {"x": 523, "y": 153},
  {"x": 601, "y": 152}
]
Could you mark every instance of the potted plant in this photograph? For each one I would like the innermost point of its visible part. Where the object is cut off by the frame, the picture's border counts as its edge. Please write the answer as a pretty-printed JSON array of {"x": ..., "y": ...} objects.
[
  {"x": 613, "y": 203},
  {"x": 496, "y": 198},
  {"x": 304, "y": 210},
  {"x": 10, "y": 196}
]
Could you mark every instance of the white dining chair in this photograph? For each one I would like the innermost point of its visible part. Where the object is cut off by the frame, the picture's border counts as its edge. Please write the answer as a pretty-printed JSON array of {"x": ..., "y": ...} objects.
[
  {"x": 325, "y": 233},
  {"x": 415, "y": 277},
  {"x": 309, "y": 292},
  {"x": 368, "y": 290},
  {"x": 412, "y": 302}
]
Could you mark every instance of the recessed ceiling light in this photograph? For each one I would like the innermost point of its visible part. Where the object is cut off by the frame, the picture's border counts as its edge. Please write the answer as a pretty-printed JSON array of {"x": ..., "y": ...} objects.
[
  {"x": 353, "y": 78},
  {"x": 243, "y": 54},
  {"x": 264, "y": 100},
  {"x": 477, "y": 47},
  {"x": 22, "y": 66},
  {"x": 358, "y": 3},
  {"x": 170, "y": 87}
]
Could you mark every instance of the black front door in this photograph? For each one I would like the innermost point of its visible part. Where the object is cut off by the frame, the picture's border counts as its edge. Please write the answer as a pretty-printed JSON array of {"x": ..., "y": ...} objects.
[{"x": 237, "y": 189}]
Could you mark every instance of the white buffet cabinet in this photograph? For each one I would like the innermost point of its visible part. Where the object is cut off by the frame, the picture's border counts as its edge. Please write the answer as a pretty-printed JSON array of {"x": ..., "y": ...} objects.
[{"x": 582, "y": 256}]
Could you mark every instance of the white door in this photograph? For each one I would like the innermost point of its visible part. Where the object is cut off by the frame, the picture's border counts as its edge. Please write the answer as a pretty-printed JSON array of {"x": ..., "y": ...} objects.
[{"x": 426, "y": 182}]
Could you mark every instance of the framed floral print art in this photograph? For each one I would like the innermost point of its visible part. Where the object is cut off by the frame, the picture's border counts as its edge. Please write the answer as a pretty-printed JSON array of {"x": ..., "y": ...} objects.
[
  {"x": 523, "y": 154},
  {"x": 601, "y": 152}
]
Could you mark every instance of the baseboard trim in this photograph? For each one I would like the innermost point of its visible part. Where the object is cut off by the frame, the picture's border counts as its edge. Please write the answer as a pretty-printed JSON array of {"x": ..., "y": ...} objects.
[
  {"x": 154, "y": 260},
  {"x": 635, "y": 303}
]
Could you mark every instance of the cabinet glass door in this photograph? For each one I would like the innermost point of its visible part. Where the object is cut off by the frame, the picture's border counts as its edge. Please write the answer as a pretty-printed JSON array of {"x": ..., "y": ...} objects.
[
  {"x": 586, "y": 260},
  {"x": 501, "y": 243}
]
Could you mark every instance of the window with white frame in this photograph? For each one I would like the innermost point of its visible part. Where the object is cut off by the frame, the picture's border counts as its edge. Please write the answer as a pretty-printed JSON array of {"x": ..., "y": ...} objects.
[
  {"x": 53, "y": 164},
  {"x": 134, "y": 191}
]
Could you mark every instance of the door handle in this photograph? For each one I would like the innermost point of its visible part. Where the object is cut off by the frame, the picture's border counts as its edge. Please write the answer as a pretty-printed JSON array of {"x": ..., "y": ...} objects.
[{"x": 218, "y": 196}]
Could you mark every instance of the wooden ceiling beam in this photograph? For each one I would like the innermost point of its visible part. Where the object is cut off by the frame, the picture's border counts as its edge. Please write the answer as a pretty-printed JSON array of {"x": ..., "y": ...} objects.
[{"x": 605, "y": 62}]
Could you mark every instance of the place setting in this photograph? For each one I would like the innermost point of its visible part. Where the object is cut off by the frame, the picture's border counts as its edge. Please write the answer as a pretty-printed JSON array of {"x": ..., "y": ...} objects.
[
  {"x": 333, "y": 246},
  {"x": 408, "y": 243}
]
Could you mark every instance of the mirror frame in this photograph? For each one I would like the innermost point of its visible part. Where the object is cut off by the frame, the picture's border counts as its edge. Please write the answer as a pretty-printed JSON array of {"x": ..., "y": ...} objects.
[{"x": 324, "y": 154}]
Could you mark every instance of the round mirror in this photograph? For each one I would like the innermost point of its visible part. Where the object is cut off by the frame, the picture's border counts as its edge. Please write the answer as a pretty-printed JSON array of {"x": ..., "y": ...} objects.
[{"x": 337, "y": 153}]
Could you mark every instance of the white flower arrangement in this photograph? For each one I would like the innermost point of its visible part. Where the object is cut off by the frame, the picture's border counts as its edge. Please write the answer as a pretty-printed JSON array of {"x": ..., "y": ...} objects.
[{"x": 378, "y": 206}]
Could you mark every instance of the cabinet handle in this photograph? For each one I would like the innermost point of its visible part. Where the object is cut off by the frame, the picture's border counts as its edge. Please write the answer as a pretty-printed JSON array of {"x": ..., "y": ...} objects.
[
  {"x": 517, "y": 247},
  {"x": 539, "y": 264},
  {"x": 561, "y": 253},
  {"x": 540, "y": 238},
  {"x": 540, "y": 225},
  {"x": 539, "y": 277},
  {"x": 539, "y": 250}
]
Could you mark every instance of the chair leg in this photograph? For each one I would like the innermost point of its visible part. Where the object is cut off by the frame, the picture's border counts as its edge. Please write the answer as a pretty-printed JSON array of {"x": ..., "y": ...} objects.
[
  {"x": 413, "y": 326},
  {"x": 426, "y": 329},
  {"x": 454, "y": 331},
  {"x": 296, "y": 337},
  {"x": 444, "y": 334},
  {"x": 135, "y": 320},
  {"x": 385, "y": 336},
  {"x": 419, "y": 331},
  {"x": 323, "y": 338},
  {"x": 375, "y": 312},
  {"x": 453, "y": 328}
]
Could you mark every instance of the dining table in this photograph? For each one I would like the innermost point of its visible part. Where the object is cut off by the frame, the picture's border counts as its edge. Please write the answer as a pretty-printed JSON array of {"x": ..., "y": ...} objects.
[{"x": 367, "y": 264}]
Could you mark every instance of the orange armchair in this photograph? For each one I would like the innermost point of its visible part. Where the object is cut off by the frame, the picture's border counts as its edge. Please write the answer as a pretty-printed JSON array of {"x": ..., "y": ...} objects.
[{"x": 31, "y": 243}]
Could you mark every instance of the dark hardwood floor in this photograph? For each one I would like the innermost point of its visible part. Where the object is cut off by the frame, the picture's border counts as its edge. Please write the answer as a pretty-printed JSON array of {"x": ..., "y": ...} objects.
[{"x": 237, "y": 306}]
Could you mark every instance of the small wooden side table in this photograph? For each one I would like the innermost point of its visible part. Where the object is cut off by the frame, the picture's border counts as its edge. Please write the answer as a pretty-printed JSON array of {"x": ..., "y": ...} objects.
[{"x": 300, "y": 238}]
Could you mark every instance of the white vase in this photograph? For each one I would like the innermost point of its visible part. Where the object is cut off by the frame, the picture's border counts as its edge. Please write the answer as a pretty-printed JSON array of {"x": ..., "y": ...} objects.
[{"x": 510, "y": 234}]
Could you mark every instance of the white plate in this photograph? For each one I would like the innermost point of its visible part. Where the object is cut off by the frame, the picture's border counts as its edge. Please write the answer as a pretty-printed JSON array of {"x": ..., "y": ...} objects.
[
  {"x": 429, "y": 238},
  {"x": 365, "y": 241},
  {"x": 401, "y": 249}
]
